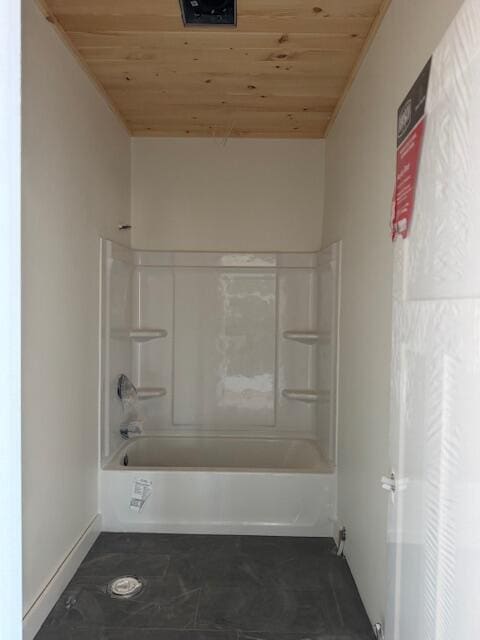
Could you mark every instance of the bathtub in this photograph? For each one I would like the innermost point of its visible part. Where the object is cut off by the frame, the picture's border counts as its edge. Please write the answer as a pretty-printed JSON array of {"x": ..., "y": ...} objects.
[
  {"x": 220, "y": 485},
  {"x": 218, "y": 454}
]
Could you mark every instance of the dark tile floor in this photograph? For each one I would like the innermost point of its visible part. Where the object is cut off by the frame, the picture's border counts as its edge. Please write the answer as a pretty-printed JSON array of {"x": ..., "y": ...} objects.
[{"x": 211, "y": 588}]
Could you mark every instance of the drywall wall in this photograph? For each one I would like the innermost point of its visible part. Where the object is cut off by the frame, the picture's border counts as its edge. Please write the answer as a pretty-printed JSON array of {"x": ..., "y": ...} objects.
[
  {"x": 242, "y": 195},
  {"x": 75, "y": 186},
  {"x": 360, "y": 165}
]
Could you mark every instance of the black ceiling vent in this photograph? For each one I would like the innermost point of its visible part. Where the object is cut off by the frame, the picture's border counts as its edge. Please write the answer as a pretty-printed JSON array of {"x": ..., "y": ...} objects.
[{"x": 209, "y": 12}]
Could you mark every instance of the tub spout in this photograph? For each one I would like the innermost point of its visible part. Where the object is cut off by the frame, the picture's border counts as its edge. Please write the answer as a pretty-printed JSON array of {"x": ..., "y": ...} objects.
[{"x": 132, "y": 428}]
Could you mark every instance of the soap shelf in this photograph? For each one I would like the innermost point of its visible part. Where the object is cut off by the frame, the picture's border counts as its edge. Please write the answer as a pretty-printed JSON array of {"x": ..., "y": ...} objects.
[
  {"x": 143, "y": 335},
  {"x": 305, "y": 395},
  {"x": 144, "y": 393},
  {"x": 307, "y": 337}
]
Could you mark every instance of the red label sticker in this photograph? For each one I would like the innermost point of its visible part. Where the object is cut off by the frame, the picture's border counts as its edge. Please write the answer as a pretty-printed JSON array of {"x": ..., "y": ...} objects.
[
  {"x": 410, "y": 133},
  {"x": 408, "y": 162}
]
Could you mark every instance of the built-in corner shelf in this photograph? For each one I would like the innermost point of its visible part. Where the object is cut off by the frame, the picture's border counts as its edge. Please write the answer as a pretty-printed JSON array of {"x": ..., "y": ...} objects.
[
  {"x": 302, "y": 395},
  {"x": 305, "y": 395},
  {"x": 307, "y": 337},
  {"x": 144, "y": 335},
  {"x": 144, "y": 393}
]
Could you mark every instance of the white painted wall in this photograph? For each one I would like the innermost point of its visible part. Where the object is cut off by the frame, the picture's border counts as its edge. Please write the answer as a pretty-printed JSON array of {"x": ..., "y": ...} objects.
[
  {"x": 247, "y": 195},
  {"x": 10, "y": 293},
  {"x": 75, "y": 187},
  {"x": 359, "y": 177}
]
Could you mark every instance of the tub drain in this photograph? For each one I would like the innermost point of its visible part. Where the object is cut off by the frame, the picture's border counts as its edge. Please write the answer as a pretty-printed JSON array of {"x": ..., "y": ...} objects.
[{"x": 124, "y": 587}]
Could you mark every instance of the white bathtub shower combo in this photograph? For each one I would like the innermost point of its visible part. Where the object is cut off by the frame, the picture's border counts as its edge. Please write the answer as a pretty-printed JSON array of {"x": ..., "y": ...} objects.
[{"x": 234, "y": 357}]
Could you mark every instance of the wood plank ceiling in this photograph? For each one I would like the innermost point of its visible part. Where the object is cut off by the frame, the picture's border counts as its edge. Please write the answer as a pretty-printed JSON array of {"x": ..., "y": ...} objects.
[{"x": 282, "y": 73}]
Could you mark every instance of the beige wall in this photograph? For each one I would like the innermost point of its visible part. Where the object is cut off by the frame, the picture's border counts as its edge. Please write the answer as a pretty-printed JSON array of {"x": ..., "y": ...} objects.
[
  {"x": 75, "y": 186},
  {"x": 247, "y": 195},
  {"x": 359, "y": 177}
]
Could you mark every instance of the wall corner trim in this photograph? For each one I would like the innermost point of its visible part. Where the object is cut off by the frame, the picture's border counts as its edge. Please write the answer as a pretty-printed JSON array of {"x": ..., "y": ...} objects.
[{"x": 36, "y": 615}]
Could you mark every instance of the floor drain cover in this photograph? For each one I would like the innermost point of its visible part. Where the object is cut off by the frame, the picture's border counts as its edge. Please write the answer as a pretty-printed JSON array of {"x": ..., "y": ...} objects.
[{"x": 125, "y": 587}]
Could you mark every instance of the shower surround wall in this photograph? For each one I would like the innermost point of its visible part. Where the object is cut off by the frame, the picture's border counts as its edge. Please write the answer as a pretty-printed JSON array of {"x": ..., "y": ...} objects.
[{"x": 223, "y": 344}]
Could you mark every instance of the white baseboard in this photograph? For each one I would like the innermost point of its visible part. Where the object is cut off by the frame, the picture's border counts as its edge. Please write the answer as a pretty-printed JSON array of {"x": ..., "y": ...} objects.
[{"x": 35, "y": 616}]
